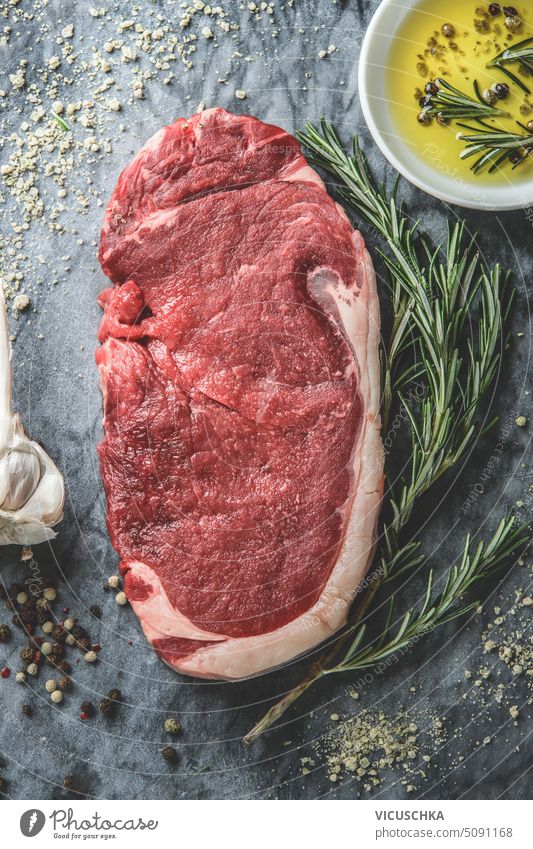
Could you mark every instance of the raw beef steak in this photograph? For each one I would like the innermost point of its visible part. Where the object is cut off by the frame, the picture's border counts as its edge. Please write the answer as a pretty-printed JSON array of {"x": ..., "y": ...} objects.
[{"x": 242, "y": 459}]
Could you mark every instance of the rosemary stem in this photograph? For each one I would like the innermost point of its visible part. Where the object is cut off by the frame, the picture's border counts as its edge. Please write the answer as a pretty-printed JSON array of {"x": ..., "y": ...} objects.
[{"x": 318, "y": 670}]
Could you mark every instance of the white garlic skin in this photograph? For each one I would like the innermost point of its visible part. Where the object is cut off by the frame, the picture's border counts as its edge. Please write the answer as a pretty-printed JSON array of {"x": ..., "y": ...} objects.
[{"x": 31, "y": 486}]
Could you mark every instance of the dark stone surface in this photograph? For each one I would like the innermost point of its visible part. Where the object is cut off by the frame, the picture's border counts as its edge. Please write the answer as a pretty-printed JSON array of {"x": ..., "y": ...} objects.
[{"x": 57, "y": 394}]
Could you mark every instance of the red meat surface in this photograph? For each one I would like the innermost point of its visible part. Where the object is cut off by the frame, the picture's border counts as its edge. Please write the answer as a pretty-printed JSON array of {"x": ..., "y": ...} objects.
[{"x": 241, "y": 458}]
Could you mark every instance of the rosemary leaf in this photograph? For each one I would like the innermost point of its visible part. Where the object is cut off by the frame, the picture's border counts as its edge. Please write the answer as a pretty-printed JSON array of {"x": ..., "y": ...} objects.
[{"x": 61, "y": 121}]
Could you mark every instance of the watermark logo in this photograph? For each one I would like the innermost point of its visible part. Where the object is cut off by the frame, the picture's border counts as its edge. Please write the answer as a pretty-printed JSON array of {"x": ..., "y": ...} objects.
[{"x": 32, "y": 822}]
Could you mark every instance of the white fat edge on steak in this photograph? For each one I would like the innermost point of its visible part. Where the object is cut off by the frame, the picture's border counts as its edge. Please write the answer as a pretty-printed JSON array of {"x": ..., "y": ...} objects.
[{"x": 240, "y": 657}]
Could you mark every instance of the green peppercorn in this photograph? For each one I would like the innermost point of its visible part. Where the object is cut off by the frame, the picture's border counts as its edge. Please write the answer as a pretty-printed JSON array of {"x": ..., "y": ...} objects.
[
  {"x": 424, "y": 119},
  {"x": 489, "y": 96},
  {"x": 513, "y": 23},
  {"x": 5, "y": 633},
  {"x": 172, "y": 726}
]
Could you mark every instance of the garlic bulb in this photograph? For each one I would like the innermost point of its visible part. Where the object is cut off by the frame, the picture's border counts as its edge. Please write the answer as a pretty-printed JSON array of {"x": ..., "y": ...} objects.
[{"x": 31, "y": 486}]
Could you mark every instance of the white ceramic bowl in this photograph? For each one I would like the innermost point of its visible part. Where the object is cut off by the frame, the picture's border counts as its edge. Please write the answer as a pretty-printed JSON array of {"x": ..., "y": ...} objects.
[{"x": 372, "y": 87}]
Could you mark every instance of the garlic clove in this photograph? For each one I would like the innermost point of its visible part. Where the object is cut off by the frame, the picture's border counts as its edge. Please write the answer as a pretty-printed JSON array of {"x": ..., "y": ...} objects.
[
  {"x": 20, "y": 472},
  {"x": 46, "y": 503}
]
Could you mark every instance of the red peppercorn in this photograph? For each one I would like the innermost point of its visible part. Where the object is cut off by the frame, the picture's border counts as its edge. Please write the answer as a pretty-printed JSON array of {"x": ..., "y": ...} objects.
[
  {"x": 84, "y": 715},
  {"x": 6, "y": 672}
]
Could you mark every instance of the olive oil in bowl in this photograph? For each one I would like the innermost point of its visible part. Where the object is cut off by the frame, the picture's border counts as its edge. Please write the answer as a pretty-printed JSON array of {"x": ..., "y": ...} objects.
[{"x": 454, "y": 42}]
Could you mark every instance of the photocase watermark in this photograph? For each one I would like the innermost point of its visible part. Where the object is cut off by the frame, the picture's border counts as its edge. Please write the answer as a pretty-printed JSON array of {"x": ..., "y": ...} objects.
[
  {"x": 65, "y": 824},
  {"x": 34, "y": 581},
  {"x": 479, "y": 487},
  {"x": 32, "y": 822},
  {"x": 434, "y": 154}
]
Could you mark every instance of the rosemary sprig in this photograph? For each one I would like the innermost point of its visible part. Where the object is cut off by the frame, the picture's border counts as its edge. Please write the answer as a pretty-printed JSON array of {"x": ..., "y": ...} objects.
[
  {"x": 522, "y": 53},
  {"x": 496, "y": 147},
  {"x": 432, "y": 302},
  {"x": 474, "y": 566},
  {"x": 434, "y": 611},
  {"x": 452, "y": 104},
  {"x": 434, "y": 297},
  {"x": 61, "y": 121}
]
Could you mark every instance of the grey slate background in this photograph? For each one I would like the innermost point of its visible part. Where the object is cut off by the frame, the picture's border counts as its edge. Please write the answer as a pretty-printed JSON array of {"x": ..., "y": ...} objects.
[{"x": 57, "y": 394}]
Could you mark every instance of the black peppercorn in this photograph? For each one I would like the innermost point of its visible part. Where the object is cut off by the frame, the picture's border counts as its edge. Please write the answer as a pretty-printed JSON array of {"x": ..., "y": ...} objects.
[
  {"x": 515, "y": 157},
  {"x": 27, "y": 710},
  {"x": 495, "y": 9},
  {"x": 169, "y": 754},
  {"x": 3, "y": 784},
  {"x": 64, "y": 666},
  {"x": 5, "y": 633},
  {"x": 95, "y": 610},
  {"x": 510, "y": 11},
  {"x": 64, "y": 682},
  {"x": 84, "y": 644},
  {"x": 17, "y": 621},
  {"x": 68, "y": 782},
  {"x": 58, "y": 633},
  {"x": 432, "y": 88},
  {"x": 105, "y": 705},
  {"x": 42, "y": 617},
  {"x": 27, "y": 653},
  {"x": 115, "y": 695},
  {"x": 27, "y": 614},
  {"x": 501, "y": 90},
  {"x": 58, "y": 649}
]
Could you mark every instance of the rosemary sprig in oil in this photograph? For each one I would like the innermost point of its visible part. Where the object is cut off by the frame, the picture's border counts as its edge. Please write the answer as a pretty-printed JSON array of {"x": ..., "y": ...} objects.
[
  {"x": 495, "y": 147},
  {"x": 521, "y": 53},
  {"x": 448, "y": 103}
]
